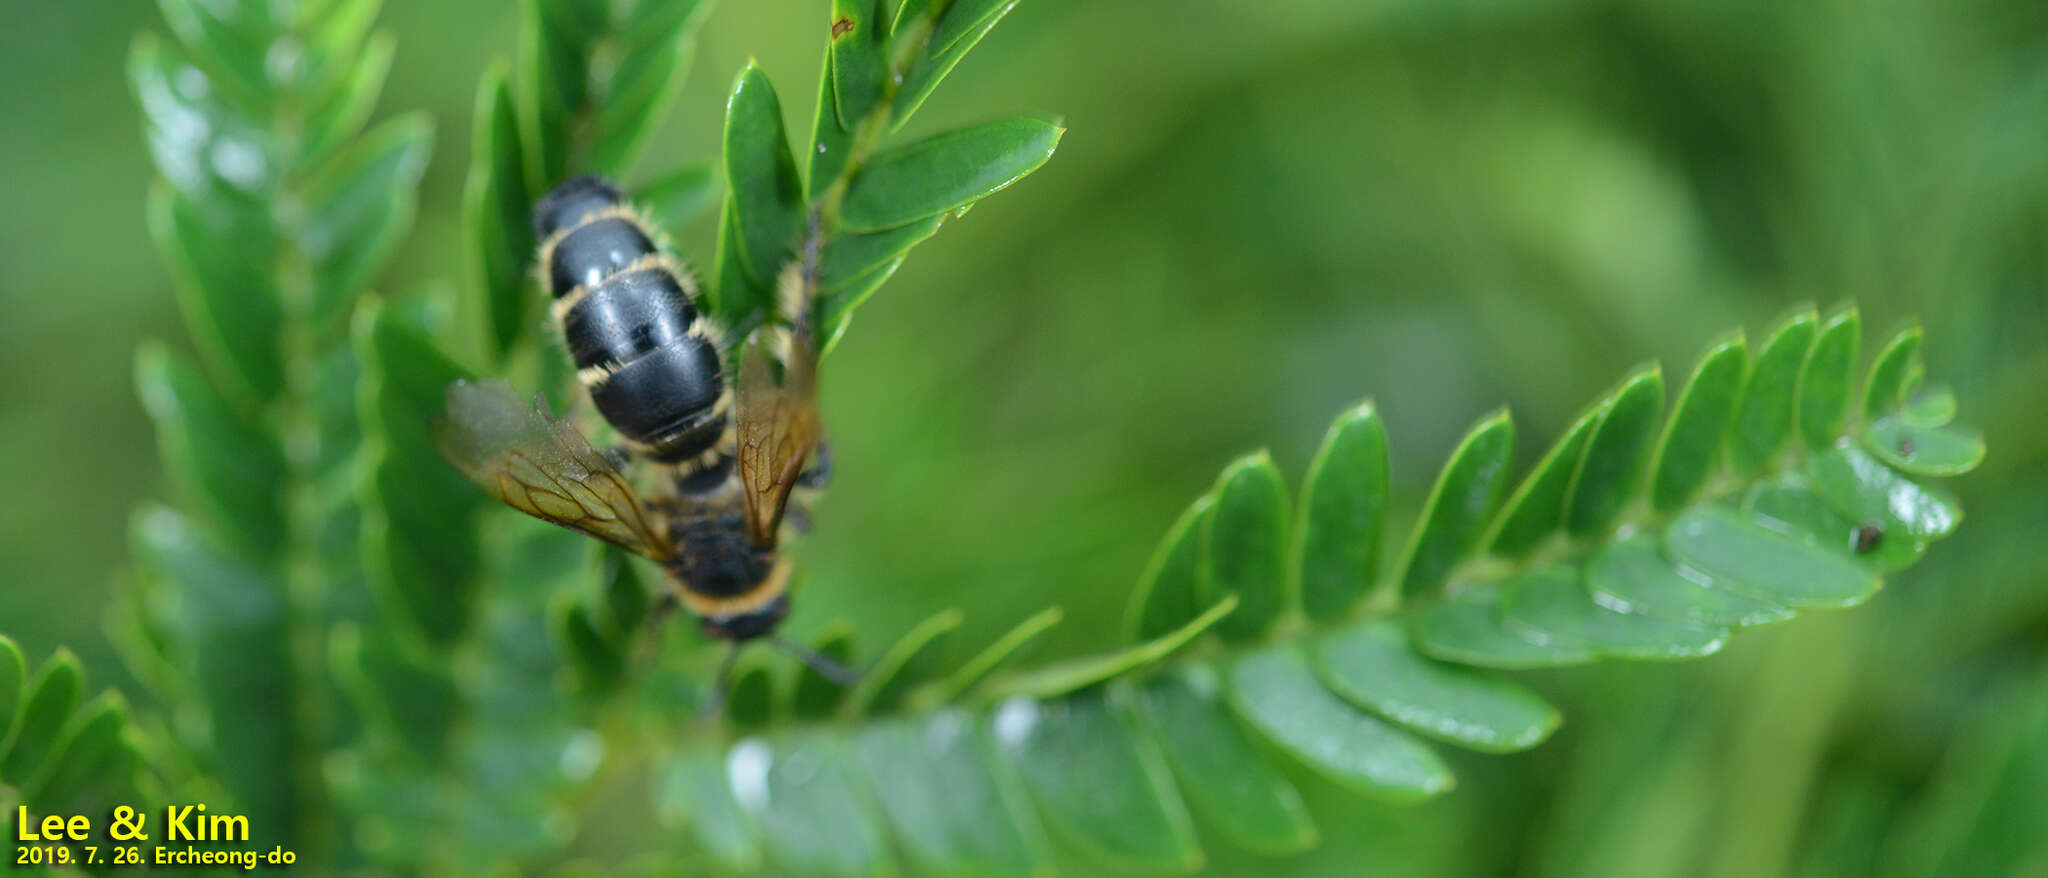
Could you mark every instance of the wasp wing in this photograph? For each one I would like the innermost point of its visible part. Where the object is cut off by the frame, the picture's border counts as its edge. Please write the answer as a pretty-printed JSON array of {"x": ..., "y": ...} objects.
[
  {"x": 778, "y": 427},
  {"x": 540, "y": 465}
]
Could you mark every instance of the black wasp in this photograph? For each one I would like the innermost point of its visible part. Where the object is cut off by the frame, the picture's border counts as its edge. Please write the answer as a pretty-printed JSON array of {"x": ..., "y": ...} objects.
[{"x": 729, "y": 456}]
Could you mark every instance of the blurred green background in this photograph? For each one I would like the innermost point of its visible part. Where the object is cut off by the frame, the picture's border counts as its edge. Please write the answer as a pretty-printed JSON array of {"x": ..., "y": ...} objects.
[{"x": 1262, "y": 213}]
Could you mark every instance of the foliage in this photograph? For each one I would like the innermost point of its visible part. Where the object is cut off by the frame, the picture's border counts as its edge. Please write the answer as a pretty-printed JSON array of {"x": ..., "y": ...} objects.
[{"x": 455, "y": 693}]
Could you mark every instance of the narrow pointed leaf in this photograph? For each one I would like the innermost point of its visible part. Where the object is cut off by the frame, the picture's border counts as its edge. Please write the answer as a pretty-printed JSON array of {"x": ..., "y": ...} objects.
[
  {"x": 1612, "y": 466},
  {"x": 856, "y": 61},
  {"x": 1464, "y": 497},
  {"x": 643, "y": 84},
  {"x": 342, "y": 114},
  {"x": 598, "y": 662},
  {"x": 949, "y": 809},
  {"x": 939, "y": 58},
  {"x": 831, "y": 142},
  {"x": 1925, "y": 451},
  {"x": 555, "y": 42},
  {"x": 1275, "y": 691},
  {"x": 45, "y": 706},
  {"x": 1552, "y": 607},
  {"x": 682, "y": 195},
  {"x": 836, "y": 304},
  {"x": 882, "y": 685},
  {"x": 1633, "y": 576},
  {"x": 814, "y": 818},
  {"x": 752, "y": 702},
  {"x": 1343, "y": 509},
  {"x": 948, "y": 171},
  {"x": 1096, "y": 782},
  {"x": 91, "y": 744},
  {"x": 1373, "y": 666},
  {"x": 1465, "y": 628},
  {"x": 1079, "y": 673},
  {"x": 1536, "y": 510},
  {"x": 850, "y": 255},
  {"x": 1764, "y": 418},
  {"x": 1789, "y": 505},
  {"x": 1867, "y": 491},
  {"x": 761, "y": 183},
  {"x": 740, "y": 302},
  {"x": 1885, "y": 388},
  {"x": 212, "y": 452},
  {"x": 413, "y": 700},
  {"x": 1690, "y": 449},
  {"x": 356, "y": 214},
  {"x": 1740, "y": 554},
  {"x": 694, "y": 794},
  {"x": 1167, "y": 596},
  {"x": 1244, "y": 547},
  {"x": 1225, "y": 777},
  {"x": 817, "y": 695},
  {"x": 1828, "y": 379},
  {"x": 229, "y": 302},
  {"x": 1004, "y": 650},
  {"x": 1929, "y": 407},
  {"x": 495, "y": 207}
]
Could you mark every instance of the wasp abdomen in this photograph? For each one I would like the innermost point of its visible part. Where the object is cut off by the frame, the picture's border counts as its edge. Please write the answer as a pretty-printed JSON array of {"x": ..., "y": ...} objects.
[{"x": 648, "y": 358}]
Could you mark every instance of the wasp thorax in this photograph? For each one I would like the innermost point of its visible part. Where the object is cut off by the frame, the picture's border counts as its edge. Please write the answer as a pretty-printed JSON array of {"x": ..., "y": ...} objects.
[{"x": 650, "y": 361}]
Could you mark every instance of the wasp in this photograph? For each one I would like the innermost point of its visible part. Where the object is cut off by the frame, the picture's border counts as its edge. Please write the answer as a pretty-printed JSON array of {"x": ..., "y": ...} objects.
[{"x": 728, "y": 453}]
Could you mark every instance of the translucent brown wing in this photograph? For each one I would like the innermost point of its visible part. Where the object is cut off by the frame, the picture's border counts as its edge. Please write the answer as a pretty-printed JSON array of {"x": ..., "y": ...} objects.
[
  {"x": 540, "y": 465},
  {"x": 778, "y": 427}
]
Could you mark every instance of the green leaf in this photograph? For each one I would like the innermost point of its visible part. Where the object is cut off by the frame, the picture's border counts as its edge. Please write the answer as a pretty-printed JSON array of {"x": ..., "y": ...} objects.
[
  {"x": 1222, "y": 772},
  {"x": 1536, "y": 509},
  {"x": 693, "y": 793},
  {"x": 817, "y": 695},
  {"x": 1551, "y": 607},
  {"x": 555, "y": 42},
  {"x": 753, "y": 701},
  {"x": 1929, "y": 407},
  {"x": 1764, "y": 418},
  {"x": 624, "y": 597},
  {"x": 1789, "y": 505},
  {"x": 1612, "y": 466},
  {"x": 1372, "y": 666},
  {"x": 1096, "y": 782},
  {"x": 1633, "y": 576},
  {"x": 837, "y": 303},
  {"x": 495, "y": 215},
  {"x": 1167, "y": 596},
  {"x": 848, "y": 257},
  {"x": 1080, "y": 673},
  {"x": 229, "y": 303},
  {"x": 984, "y": 663},
  {"x": 856, "y": 62},
  {"x": 1739, "y": 554},
  {"x": 173, "y": 92},
  {"x": 812, "y": 816},
  {"x": 1336, "y": 547},
  {"x": 885, "y": 683},
  {"x": 598, "y": 662},
  {"x": 949, "y": 809},
  {"x": 1244, "y": 547},
  {"x": 1465, "y": 628},
  {"x": 739, "y": 302},
  {"x": 1925, "y": 451},
  {"x": 90, "y": 747},
  {"x": 418, "y": 547},
  {"x": 945, "y": 172},
  {"x": 340, "y": 116},
  {"x": 414, "y": 700},
  {"x": 682, "y": 195},
  {"x": 227, "y": 465},
  {"x": 961, "y": 31},
  {"x": 44, "y": 708},
  {"x": 644, "y": 81},
  {"x": 1464, "y": 497},
  {"x": 762, "y": 189},
  {"x": 1884, "y": 389},
  {"x": 1828, "y": 379},
  {"x": 356, "y": 213},
  {"x": 13, "y": 676},
  {"x": 1691, "y": 446},
  {"x": 1276, "y": 693},
  {"x": 1868, "y": 492}
]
